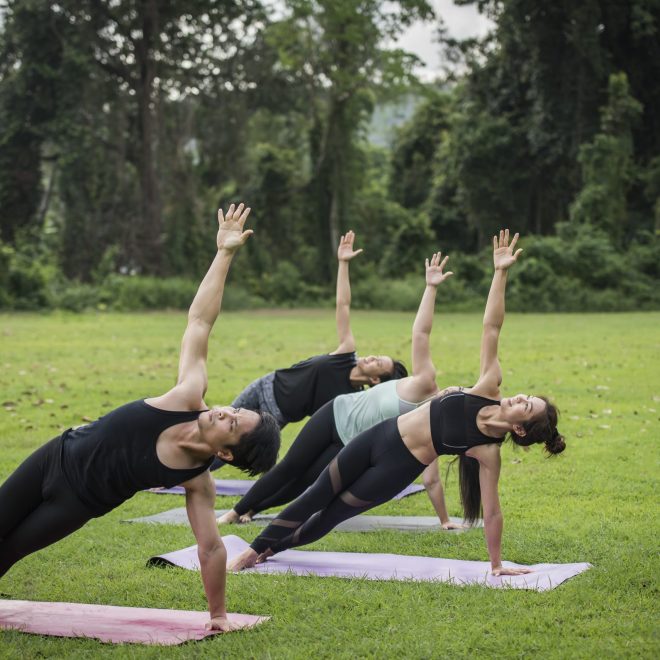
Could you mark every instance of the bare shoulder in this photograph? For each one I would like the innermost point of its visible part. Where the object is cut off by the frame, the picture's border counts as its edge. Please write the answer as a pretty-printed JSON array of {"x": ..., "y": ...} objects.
[
  {"x": 487, "y": 455},
  {"x": 200, "y": 483},
  {"x": 484, "y": 388},
  {"x": 179, "y": 398}
]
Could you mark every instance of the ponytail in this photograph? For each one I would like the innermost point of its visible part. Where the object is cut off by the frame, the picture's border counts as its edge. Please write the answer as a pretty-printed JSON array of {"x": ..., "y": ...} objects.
[{"x": 470, "y": 487}]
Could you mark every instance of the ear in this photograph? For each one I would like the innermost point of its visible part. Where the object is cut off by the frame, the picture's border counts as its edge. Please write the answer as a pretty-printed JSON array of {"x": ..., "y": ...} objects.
[
  {"x": 519, "y": 430},
  {"x": 225, "y": 455},
  {"x": 374, "y": 380}
]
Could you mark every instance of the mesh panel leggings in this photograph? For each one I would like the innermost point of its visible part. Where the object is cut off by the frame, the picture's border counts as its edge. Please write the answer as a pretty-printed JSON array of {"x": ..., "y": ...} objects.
[
  {"x": 372, "y": 469},
  {"x": 316, "y": 445},
  {"x": 37, "y": 506}
]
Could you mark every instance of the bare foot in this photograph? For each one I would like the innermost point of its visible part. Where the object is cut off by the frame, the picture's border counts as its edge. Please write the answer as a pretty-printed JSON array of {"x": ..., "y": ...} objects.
[
  {"x": 247, "y": 559},
  {"x": 228, "y": 518},
  {"x": 264, "y": 556},
  {"x": 246, "y": 517}
]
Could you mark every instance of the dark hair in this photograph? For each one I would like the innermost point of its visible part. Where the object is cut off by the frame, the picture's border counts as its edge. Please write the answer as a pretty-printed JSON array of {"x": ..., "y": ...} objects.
[
  {"x": 256, "y": 451},
  {"x": 470, "y": 487},
  {"x": 399, "y": 371},
  {"x": 542, "y": 430}
]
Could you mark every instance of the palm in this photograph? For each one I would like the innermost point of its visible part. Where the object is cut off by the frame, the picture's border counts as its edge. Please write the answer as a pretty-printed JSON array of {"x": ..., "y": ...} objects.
[
  {"x": 230, "y": 228},
  {"x": 503, "y": 253},
  {"x": 345, "y": 251},
  {"x": 434, "y": 270}
]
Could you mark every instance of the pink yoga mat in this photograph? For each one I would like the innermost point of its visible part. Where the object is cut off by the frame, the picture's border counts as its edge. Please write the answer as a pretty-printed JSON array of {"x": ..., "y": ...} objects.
[
  {"x": 241, "y": 486},
  {"x": 386, "y": 567},
  {"x": 107, "y": 623}
]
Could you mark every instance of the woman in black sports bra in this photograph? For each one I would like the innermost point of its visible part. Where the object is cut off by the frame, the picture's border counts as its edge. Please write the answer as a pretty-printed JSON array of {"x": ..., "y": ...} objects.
[{"x": 468, "y": 422}]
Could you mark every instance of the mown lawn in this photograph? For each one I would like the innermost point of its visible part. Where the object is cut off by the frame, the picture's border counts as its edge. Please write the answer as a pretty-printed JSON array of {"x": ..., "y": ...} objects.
[{"x": 598, "y": 502}]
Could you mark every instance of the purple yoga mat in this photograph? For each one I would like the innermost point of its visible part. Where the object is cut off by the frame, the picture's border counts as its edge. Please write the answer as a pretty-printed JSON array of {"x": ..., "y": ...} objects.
[
  {"x": 385, "y": 567},
  {"x": 107, "y": 623},
  {"x": 241, "y": 486},
  {"x": 222, "y": 487}
]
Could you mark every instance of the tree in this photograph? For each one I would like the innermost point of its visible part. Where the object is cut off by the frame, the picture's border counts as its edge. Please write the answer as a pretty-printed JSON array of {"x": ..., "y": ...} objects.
[
  {"x": 607, "y": 165},
  {"x": 335, "y": 49}
]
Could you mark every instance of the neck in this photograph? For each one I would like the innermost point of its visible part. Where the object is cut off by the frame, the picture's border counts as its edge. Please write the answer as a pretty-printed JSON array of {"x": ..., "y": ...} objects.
[
  {"x": 492, "y": 421},
  {"x": 189, "y": 441},
  {"x": 357, "y": 377}
]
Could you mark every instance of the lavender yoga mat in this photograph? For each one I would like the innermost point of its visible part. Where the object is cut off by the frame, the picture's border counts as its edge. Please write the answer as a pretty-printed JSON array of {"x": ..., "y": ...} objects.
[
  {"x": 362, "y": 523},
  {"x": 241, "y": 486},
  {"x": 385, "y": 567},
  {"x": 108, "y": 623},
  {"x": 222, "y": 487}
]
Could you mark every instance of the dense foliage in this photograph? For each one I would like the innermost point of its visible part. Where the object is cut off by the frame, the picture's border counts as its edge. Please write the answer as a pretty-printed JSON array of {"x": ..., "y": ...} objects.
[{"x": 124, "y": 125}]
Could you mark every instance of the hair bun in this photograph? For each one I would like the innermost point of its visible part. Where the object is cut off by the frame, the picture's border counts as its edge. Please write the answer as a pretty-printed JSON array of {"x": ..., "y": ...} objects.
[{"x": 556, "y": 445}]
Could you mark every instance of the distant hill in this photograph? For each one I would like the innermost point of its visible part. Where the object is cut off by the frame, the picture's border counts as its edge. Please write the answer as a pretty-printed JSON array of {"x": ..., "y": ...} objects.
[{"x": 387, "y": 117}]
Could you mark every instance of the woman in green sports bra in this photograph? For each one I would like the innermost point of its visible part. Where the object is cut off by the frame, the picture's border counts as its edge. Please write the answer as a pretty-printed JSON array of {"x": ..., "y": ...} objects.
[{"x": 340, "y": 420}]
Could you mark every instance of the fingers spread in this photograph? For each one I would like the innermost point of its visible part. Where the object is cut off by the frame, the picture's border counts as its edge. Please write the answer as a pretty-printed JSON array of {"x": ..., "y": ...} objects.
[{"x": 244, "y": 216}]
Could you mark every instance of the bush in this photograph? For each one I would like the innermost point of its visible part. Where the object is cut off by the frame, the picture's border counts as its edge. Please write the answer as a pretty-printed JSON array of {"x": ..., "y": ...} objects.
[
  {"x": 24, "y": 280},
  {"x": 127, "y": 293},
  {"x": 76, "y": 297}
]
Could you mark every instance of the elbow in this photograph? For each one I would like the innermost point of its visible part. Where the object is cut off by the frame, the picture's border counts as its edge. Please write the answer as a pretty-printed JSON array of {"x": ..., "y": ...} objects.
[
  {"x": 431, "y": 482},
  {"x": 492, "y": 517},
  {"x": 212, "y": 551}
]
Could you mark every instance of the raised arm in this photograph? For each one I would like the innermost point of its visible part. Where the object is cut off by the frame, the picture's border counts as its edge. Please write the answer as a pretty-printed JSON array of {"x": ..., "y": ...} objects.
[
  {"x": 192, "y": 379},
  {"x": 345, "y": 253},
  {"x": 490, "y": 375},
  {"x": 422, "y": 382}
]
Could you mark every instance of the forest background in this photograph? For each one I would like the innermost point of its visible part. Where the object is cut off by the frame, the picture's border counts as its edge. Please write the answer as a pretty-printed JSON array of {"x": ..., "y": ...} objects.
[{"x": 124, "y": 125}]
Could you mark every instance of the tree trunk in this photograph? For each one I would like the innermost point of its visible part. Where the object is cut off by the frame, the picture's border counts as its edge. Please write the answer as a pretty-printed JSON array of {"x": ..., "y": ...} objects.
[{"x": 150, "y": 236}]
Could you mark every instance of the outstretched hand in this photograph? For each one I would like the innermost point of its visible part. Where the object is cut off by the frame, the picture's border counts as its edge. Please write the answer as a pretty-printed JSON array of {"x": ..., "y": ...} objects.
[
  {"x": 230, "y": 231},
  {"x": 503, "y": 254},
  {"x": 345, "y": 251},
  {"x": 434, "y": 274}
]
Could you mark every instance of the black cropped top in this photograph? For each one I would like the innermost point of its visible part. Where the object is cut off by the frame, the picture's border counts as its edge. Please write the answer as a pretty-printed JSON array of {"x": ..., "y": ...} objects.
[{"x": 454, "y": 427}]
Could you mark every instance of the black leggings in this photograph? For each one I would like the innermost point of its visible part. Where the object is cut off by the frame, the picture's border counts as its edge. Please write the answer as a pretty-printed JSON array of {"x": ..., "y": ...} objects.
[
  {"x": 37, "y": 506},
  {"x": 316, "y": 445},
  {"x": 372, "y": 469}
]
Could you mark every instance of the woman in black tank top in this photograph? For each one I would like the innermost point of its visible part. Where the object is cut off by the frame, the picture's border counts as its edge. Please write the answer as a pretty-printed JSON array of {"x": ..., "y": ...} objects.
[
  {"x": 163, "y": 441},
  {"x": 468, "y": 422},
  {"x": 293, "y": 393}
]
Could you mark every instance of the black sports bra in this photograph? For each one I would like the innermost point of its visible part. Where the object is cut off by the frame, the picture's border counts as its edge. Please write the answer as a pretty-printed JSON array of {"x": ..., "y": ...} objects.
[{"x": 454, "y": 427}]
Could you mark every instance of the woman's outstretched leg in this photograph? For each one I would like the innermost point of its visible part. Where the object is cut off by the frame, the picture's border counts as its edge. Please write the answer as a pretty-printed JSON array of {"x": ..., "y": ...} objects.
[
  {"x": 369, "y": 471},
  {"x": 278, "y": 483},
  {"x": 37, "y": 506}
]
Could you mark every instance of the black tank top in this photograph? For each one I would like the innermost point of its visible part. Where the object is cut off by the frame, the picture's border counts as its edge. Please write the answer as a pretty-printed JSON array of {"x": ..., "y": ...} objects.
[
  {"x": 108, "y": 461},
  {"x": 454, "y": 422}
]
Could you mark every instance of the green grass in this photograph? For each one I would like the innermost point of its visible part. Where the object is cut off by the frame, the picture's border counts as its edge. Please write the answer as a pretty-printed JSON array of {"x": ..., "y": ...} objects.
[{"x": 597, "y": 502}]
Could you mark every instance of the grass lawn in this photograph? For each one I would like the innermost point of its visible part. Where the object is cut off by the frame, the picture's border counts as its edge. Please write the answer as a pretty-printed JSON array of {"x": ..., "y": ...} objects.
[{"x": 598, "y": 502}]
